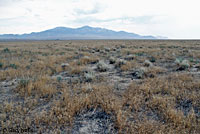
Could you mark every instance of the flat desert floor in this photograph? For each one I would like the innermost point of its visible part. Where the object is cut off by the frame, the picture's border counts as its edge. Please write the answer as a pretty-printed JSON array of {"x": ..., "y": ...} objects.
[{"x": 100, "y": 86}]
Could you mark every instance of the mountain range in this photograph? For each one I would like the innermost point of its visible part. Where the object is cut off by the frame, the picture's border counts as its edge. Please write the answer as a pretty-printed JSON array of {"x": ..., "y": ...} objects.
[{"x": 85, "y": 32}]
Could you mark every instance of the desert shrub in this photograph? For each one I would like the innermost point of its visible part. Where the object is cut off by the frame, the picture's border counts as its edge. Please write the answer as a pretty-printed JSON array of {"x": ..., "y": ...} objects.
[
  {"x": 119, "y": 63},
  {"x": 6, "y": 50},
  {"x": 28, "y": 66},
  {"x": 64, "y": 66},
  {"x": 147, "y": 63},
  {"x": 178, "y": 60},
  {"x": 140, "y": 54},
  {"x": 114, "y": 49},
  {"x": 162, "y": 46},
  {"x": 59, "y": 79},
  {"x": 123, "y": 46},
  {"x": 23, "y": 83},
  {"x": 102, "y": 66},
  {"x": 139, "y": 73},
  {"x": 112, "y": 60},
  {"x": 62, "y": 53},
  {"x": 129, "y": 57},
  {"x": 192, "y": 60},
  {"x": 14, "y": 66},
  {"x": 186, "y": 63},
  {"x": 31, "y": 60},
  {"x": 1, "y": 65},
  {"x": 89, "y": 76},
  {"x": 44, "y": 54},
  {"x": 182, "y": 64},
  {"x": 152, "y": 59},
  {"x": 102, "y": 51},
  {"x": 107, "y": 49}
]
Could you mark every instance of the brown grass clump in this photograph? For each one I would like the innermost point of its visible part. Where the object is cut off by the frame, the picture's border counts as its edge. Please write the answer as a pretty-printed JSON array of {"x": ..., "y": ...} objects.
[
  {"x": 41, "y": 86},
  {"x": 87, "y": 60}
]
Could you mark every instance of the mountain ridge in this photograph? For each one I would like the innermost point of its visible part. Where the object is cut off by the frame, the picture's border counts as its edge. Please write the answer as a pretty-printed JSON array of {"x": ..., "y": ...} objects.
[{"x": 85, "y": 32}]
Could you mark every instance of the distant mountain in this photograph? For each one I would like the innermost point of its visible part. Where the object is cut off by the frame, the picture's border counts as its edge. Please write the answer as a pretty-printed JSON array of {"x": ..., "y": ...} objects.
[{"x": 86, "y": 32}]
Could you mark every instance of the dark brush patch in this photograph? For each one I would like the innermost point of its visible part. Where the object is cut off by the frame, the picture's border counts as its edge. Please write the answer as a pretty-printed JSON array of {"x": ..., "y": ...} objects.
[
  {"x": 184, "y": 105},
  {"x": 93, "y": 121}
]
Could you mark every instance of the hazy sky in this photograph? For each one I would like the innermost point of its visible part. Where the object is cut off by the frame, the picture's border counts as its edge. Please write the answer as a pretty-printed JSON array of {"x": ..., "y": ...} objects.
[{"x": 170, "y": 18}]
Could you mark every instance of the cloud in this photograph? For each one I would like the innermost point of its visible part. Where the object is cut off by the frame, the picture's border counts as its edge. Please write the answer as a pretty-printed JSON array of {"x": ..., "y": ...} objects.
[
  {"x": 172, "y": 18},
  {"x": 84, "y": 11},
  {"x": 123, "y": 20}
]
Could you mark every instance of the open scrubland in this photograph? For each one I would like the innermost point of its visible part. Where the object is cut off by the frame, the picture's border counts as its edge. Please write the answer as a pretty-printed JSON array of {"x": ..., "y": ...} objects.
[{"x": 100, "y": 86}]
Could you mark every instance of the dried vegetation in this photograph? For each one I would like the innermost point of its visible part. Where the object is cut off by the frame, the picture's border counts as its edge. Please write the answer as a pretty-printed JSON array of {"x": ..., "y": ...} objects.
[{"x": 138, "y": 86}]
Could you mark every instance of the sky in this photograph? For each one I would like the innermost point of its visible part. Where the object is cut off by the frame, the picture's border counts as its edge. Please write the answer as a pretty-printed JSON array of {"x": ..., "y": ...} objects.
[{"x": 175, "y": 19}]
